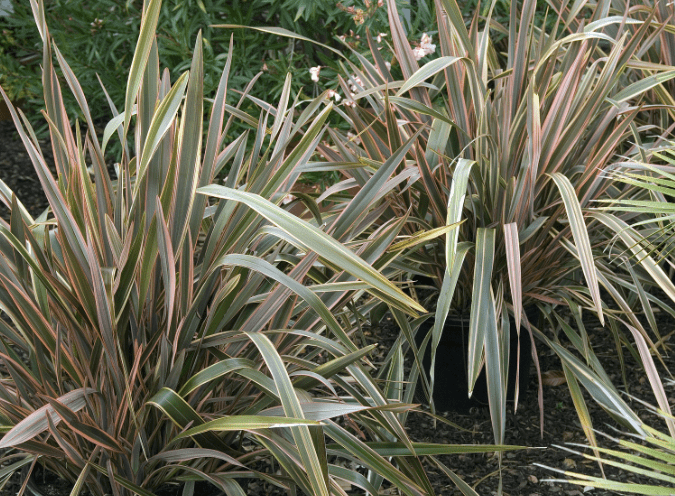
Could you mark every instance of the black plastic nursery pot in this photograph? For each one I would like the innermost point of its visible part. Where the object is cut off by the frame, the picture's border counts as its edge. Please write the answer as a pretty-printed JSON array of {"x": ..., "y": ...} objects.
[{"x": 451, "y": 383}]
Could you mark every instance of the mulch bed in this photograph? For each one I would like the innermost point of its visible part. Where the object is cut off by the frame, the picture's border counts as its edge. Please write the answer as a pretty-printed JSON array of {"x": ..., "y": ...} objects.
[{"x": 519, "y": 475}]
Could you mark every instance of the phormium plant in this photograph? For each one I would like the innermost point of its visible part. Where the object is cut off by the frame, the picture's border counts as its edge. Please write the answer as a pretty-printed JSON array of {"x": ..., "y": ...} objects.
[
  {"x": 163, "y": 329},
  {"x": 514, "y": 146}
]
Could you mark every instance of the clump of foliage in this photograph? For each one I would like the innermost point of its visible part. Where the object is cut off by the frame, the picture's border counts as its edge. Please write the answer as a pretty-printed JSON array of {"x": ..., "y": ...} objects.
[
  {"x": 163, "y": 329},
  {"x": 513, "y": 147}
]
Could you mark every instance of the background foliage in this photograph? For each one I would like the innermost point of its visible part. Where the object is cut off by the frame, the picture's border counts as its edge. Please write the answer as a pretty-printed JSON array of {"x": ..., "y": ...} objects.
[{"x": 98, "y": 38}]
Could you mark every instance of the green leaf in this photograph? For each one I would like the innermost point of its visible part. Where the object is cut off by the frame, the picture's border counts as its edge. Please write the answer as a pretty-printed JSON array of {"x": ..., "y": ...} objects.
[
  {"x": 581, "y": 239},
  {"x": 141, "y": 55},
  {"x": 318, "y": 241},
  {"x": 366, "y": 195},
  {"x": 483, "y": 331},
  {"x": 182, "y": 414},
  {"x": 245, "y": 423},
  {"x": 214, "y": 372},
  {"x": 422, "y": 237},
  {"x": 644, "y": 84},
  {"x": 161, "y": 122},
  {"x": 631, "y": 239},
  {"x": 36, "y": 423},
  {"x": 603, "y": 393},
  {"x": 266, "y": 268},
  {"x": 460, "y": 181},
  {"x": 420, "y": 108},
  {"x": 190, "y": 149},
  {"x": 432, "y": 449},
  {"x": 319, "y": 411},
  {"x": 512, "y": 245},
  {"x": 426, "y": 71},
  {"x": 278, "y": 32},
  {"x": 313, "y": 460}
]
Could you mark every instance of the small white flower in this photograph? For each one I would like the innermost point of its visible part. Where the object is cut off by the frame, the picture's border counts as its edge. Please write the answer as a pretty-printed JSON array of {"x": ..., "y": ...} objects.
[
  {"x": 418, "y": 53},
  {"x": 388, "y": 65},
  {"x": 427, "y": 45},
  {"x": 355, "y": 80},
  {"x": 380, "y": 36},
  {"x": 334, "y": 94},
  {"x": 287, "y": 199},
  {"x": 314, "y": 73},
  {"x": 350, "y": 103}
]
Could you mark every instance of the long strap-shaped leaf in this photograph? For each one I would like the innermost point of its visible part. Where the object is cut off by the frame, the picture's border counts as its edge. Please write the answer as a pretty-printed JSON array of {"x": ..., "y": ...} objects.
[
  {"x": 36, "y": 423},
  {"x": 513, "y": 264},
  {"x": 460, "y": 181},
  {"x": 654, "y": 379},
  {"x": 267, "y": 269},
  {"x": 482, "y": 307},
  {"x": 141, "y": 55},
  {"x": 162, "y": 120},
  {"x": 483, "y": 330},
  {"x": 213, "y": 372},
  {"x": 245, "y": 423},
  {"x": 190, "y": 149},
  {"x": 631, "y": 240},
  {"x": 368, "y": 192},
  {"x": 314, "y": 462},
  {"x": 319, "y": 411},
  {"x": 346, "y": 442},
  {"x": 581, "y": 240},
  {"x": 426, "y": 71},
  {"x": 445, "y": 301},
  {"x": 318, "y": 241},
  {"x": 603, "y": 393},
  {"x": 212, "y": 141},
  {"x": 182, "y": 414},
  {"x": 67, "y": 225}
]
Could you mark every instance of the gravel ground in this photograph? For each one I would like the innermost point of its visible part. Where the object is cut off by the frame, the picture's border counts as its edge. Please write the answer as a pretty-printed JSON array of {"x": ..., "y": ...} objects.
[{"x": 520, "y": 476}]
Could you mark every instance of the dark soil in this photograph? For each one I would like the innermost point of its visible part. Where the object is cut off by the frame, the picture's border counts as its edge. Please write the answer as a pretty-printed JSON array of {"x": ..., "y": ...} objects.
[
  {"x": 16, "y": 170},
  {"x": 519, "y": 475}
]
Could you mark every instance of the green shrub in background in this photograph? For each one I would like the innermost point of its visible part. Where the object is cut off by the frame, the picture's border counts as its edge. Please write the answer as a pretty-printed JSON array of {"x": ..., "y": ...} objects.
[{"x": 98, "y": 38}]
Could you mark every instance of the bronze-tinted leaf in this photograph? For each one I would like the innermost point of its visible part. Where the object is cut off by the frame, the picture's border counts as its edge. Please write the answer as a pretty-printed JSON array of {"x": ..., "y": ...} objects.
[{"x": 553, "y": 378}]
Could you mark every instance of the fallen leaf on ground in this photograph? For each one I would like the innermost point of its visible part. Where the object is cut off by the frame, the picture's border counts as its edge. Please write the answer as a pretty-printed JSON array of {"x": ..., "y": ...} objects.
[{"x": 553, "y": 378}]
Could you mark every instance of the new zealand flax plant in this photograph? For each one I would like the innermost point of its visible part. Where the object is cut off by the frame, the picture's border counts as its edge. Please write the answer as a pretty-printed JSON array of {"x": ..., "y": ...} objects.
[
  {"x": 512, "y": 142},
  {"x": 162, "y": 327}
]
